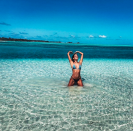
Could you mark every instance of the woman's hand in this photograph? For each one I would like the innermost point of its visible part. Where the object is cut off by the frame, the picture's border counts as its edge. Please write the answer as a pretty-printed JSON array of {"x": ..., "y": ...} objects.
[
  {"x": 78, "y": 52},
  {"x": 70, "y": 52}
]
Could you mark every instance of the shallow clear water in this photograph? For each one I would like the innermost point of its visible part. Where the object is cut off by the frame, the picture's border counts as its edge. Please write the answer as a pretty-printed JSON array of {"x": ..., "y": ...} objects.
[{"x": 34, "y": 95}]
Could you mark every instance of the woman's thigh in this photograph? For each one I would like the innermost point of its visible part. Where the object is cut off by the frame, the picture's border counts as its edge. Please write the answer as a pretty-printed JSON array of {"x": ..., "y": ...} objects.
[
  {"x": 79, "y": 82},
  {"x": 71, "y": 82}
]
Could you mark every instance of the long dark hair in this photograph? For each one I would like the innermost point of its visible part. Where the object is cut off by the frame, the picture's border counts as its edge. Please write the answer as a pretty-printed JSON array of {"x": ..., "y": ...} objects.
[{"x": 73, "y": 57}]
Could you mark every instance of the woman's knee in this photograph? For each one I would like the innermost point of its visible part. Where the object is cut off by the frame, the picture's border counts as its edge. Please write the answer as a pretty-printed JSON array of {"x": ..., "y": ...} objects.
[
  {"x": 80, "y": 83},
  {"x": 71, "y": 83}
]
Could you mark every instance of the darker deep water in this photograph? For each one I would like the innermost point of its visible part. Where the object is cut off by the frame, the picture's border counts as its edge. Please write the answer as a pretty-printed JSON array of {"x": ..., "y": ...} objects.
[{"x": 39, "y": 51}]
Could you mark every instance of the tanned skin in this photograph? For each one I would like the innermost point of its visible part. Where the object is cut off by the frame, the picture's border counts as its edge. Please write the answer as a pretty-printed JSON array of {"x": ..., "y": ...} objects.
[{"x": 75, "y": 72}]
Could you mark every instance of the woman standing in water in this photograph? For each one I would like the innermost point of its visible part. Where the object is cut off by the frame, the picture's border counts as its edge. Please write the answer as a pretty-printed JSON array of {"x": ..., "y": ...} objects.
[{"x": 76, "y": 67}]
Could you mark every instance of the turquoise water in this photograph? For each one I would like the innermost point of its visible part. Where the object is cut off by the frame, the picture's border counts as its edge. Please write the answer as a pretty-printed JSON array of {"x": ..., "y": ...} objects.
[{"x": 34, "y": 94}]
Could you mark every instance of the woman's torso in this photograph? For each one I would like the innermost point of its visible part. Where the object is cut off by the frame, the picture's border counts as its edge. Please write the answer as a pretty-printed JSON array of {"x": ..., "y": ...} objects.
[{"x": 76, "y": 67}]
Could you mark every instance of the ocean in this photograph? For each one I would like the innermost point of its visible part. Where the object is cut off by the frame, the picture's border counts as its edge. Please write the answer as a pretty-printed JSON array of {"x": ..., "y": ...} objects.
[{"x": 34, "y": 95}]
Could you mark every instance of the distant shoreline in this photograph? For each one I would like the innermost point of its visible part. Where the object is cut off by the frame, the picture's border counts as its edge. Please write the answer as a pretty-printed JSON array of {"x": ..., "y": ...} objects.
[
  {"x": 59, "y": 42},
  {"x": 26, "y": 40}
]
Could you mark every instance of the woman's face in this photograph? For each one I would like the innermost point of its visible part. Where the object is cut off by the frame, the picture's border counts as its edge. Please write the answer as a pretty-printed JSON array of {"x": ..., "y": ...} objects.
[{"x": 75, "y": 57}]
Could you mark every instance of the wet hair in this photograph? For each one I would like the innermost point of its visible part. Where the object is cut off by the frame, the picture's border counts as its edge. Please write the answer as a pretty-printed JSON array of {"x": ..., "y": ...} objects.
[{"x": 73, "y": 57}]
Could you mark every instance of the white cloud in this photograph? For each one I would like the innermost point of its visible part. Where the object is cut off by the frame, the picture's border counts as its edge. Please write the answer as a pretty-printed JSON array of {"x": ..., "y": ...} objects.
[
  {"x": 72, "y": 36},
  {"x": 102, "y": 36},
  {"x": 91, "y": 36}
]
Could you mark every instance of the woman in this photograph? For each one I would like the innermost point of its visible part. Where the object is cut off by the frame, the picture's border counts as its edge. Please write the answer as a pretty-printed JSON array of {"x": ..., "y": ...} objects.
[{"x": 76, "y": 67}]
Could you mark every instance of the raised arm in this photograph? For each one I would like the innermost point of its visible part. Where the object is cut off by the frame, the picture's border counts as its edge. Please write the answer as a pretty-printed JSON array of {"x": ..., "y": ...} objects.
[
  {"x": 70, "y": 60},
  {"x": 81, "y": 59}
]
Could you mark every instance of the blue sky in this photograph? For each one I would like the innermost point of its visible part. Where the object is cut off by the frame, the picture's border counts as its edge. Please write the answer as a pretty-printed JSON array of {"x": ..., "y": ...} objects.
[{"x": 85, "y": 21}]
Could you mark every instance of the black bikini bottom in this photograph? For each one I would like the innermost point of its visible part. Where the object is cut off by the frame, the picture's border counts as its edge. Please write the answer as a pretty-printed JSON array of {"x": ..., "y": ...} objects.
[{"x": 76, "y": 80}]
